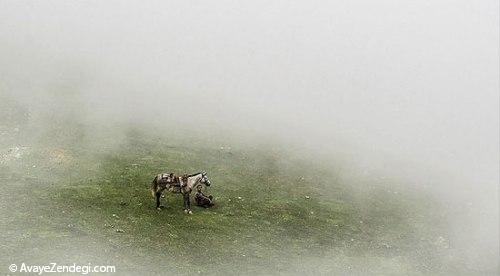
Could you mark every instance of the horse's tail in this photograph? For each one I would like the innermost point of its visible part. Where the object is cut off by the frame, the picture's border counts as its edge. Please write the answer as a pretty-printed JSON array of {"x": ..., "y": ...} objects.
[{"x": 154, "y": 186}]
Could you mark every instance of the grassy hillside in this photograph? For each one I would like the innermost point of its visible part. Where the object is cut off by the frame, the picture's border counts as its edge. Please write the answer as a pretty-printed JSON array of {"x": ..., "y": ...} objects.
[{"x": 73, "y": 197}]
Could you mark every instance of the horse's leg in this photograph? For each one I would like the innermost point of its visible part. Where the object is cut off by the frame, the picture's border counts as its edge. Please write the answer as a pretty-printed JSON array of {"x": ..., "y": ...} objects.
[
  {"x": 187, "y": 204},
  {"x": 184, "y": 202},
  {"x": 158, "y": 195}
]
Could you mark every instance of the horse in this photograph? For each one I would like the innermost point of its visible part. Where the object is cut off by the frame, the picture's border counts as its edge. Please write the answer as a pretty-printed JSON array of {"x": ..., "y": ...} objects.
[{"x": 177, "y": 184}]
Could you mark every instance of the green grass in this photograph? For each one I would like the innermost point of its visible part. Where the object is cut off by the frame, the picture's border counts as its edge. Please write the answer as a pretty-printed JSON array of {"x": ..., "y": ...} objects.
[{"x": 92, "y": 204}]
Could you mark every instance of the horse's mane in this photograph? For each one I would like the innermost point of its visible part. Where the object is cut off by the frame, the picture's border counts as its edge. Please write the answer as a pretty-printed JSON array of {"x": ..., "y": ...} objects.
[{"x": 191, "y": 175}]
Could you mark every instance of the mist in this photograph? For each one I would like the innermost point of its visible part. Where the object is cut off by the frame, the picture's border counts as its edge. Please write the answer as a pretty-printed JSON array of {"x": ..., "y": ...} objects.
[{"x": 403, "y": 91}]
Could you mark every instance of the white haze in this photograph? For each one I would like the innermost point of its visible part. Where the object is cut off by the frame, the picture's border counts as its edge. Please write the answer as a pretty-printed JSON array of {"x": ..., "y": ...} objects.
[{"x": 405, "y": 89}]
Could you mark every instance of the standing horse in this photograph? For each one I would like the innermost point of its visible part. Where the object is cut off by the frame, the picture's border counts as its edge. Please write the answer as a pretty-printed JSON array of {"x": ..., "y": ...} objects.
[{"x": 177, "y": 184}]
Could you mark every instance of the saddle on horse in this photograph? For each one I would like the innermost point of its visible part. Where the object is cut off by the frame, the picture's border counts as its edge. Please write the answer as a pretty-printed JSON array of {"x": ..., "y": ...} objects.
[{"x": 177, "y": 181}]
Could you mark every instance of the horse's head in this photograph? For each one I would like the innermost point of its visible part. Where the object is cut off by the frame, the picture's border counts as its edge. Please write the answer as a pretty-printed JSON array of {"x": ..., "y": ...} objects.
[{"x": 204, "y": 179}]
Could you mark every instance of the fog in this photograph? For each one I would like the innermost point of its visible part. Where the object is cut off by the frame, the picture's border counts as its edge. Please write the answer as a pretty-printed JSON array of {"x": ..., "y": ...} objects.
[{"x": 407, "y": 90}]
